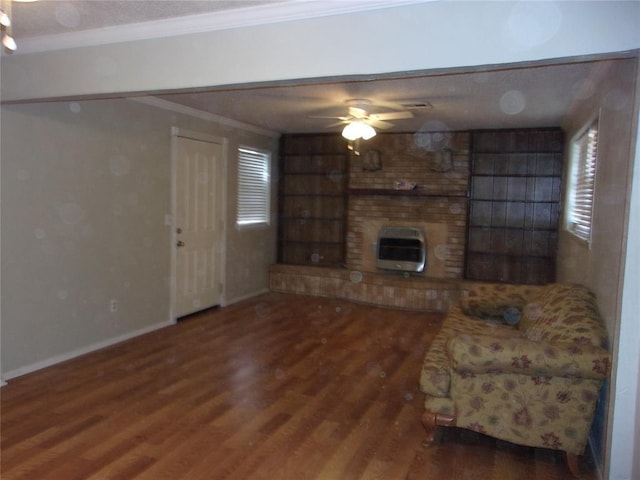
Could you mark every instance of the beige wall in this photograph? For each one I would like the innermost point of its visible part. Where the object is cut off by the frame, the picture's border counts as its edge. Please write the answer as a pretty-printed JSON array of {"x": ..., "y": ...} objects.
[
  {"x": 85, "y": 191},
  {"x": 624, "y": 432},
  {"x": 601, "y": 265},
  {"x": 624, "y": 451}
]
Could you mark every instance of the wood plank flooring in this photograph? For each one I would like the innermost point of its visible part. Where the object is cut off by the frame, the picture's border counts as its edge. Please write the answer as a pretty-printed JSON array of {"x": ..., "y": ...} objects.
[{"x": 279, "y": 387}]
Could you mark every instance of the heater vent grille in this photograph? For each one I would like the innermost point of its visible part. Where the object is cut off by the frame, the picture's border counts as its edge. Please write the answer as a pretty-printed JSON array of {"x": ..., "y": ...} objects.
[
  {"x": 401, "y": 249},
  {"x": 400, "y": 232}
]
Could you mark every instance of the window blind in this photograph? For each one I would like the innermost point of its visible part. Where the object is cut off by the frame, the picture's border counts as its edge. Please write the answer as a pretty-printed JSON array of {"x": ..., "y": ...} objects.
[
  {"x": 583, "y": 182},
  {"x": 253, "y": 186}
]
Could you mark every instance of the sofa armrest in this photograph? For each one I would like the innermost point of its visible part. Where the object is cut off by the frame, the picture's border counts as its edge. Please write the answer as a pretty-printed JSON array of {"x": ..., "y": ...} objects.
[{"x": 486, "y": 354}]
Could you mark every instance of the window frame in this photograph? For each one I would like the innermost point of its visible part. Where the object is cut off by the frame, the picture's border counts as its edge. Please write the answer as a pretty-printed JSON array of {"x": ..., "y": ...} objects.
[
  {"x": 582, "y": 182},
  {"x": 262, "y": 215}
]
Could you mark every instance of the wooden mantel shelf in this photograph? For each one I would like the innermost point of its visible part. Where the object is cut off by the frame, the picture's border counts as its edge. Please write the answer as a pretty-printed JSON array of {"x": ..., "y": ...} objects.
[{"x": 393, "y": 192}]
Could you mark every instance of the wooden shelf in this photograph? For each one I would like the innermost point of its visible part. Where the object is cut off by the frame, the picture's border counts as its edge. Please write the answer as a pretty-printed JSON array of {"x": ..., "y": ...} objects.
[
  {"x": 515, "y": 175},
  {"x": 528, "y": 229},
  {"x": 514, "y": 205},
  {"x": 399, "y": 193},
  {"x": 515, "y": 256},
  {"x": 510, "y": 200},
  {"x": 312, "y": 194}
]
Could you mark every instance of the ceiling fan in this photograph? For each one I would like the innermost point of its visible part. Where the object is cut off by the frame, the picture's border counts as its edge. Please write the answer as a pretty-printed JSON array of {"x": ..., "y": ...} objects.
[{"x": 359, "y": 123}]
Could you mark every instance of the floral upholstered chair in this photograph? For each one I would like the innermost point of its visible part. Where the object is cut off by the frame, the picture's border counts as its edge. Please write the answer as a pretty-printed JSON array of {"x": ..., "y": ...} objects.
[{"x": 536, "y": 384}]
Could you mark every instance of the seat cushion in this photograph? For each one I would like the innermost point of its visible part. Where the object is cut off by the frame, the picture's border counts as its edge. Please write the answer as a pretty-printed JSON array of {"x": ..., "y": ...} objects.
[{"x": 435, "y": 375}]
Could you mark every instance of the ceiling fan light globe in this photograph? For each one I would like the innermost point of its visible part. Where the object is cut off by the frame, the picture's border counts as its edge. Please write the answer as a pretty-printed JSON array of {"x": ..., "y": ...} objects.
[
  {"x": 367, "y": 132},
  {"x": 351, "y": 131},
  {"x": 355, "y": 130}
]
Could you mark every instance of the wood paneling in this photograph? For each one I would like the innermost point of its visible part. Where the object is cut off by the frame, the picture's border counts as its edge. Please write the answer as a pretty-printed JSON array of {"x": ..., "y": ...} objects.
[
  {"x": 514, "y": 205},
  {"x": 312, "y": 200},
  {"x": 277, "y": 387}
]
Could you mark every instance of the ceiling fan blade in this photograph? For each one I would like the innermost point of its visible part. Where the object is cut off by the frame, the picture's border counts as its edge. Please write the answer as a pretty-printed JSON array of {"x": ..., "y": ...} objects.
[
  {"x": 357, "y": 112},
  {"x": 344, "y": 119},
  {"x": 378, "y": 124},
  {"x": 335, "y": 124},
  {"x": 391, "y": 115}
]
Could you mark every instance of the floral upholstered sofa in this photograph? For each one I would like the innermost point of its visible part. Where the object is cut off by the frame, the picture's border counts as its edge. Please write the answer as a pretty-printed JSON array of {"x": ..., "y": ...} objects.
[{"x": 521, "y": 363}]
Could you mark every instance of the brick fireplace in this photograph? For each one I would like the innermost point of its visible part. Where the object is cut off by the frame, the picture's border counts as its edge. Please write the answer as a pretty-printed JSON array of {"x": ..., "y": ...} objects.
[
  {"x": 438, "y": 164},
  {"x": 442, "y": 221}
]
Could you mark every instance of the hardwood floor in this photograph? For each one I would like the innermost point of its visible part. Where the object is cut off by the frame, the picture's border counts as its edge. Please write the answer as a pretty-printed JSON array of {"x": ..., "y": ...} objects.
[{"x": 277, "y": 387}]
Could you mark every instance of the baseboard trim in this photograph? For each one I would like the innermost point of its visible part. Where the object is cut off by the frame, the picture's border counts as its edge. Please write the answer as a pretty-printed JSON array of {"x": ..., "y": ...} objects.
[
  {"x": 245, "y": 297},
  {"x": 18, "y": 372}
]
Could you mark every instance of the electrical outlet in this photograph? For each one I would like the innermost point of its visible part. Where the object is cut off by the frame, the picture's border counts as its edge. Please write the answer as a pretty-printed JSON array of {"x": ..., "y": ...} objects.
[{"x": 113, "y": 305}]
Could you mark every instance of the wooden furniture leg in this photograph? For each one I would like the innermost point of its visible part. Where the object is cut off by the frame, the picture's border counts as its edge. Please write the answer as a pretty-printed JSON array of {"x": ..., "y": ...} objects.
[
  {"x": 430, "y": 427},
  {"x": 431, "y": 423},
  {"x": 573, "y": 463}
]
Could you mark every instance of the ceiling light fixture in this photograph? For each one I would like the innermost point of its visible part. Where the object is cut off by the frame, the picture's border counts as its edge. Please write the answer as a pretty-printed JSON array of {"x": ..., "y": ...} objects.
[
  {"x": 358, "y": 129},
  {"x": 5, "y": 20},
  {"x": 8, "y": 41}
]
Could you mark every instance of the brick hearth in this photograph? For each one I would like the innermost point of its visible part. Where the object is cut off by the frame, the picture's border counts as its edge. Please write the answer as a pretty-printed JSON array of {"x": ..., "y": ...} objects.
[{"x": 413, "y": 292}]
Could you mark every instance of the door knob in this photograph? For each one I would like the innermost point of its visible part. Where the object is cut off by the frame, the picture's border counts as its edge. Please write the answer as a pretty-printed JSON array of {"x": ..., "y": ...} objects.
[
  {"x": 178, "y": 230},
  {"x": 180, "y": 243}
]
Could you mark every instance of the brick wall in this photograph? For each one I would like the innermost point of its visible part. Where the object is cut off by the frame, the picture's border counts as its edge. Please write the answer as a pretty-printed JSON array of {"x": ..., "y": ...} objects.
[
  {"x": 439, "y": 165},
  {"x": 442, "y": 221}
]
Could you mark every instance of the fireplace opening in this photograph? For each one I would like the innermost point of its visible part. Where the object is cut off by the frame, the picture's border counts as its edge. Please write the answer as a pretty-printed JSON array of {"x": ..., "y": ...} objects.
[{"x": 401, "y": 249}]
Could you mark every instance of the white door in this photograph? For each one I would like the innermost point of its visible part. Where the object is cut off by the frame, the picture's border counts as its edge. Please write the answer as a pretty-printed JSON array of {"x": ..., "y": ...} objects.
[{"x": 199, "y": 226}]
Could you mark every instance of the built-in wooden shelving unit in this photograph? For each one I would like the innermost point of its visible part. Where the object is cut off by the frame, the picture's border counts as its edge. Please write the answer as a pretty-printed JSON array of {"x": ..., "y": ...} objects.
[
  {"x": 312, "y": 201},
  {"x": 514, "y": 205}
]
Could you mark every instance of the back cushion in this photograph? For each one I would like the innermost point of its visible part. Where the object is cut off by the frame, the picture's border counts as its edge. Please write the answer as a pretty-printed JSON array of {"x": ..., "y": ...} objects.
[
  {"x": 564, "y": 313},
  {"x": 491, "y": 300}
]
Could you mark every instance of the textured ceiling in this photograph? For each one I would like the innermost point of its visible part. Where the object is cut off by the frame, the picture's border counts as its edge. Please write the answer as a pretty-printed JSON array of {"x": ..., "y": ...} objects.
[{"x": 518, "y": 97}]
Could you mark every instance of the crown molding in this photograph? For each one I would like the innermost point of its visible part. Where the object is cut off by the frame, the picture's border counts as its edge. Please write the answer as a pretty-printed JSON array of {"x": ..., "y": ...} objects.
[
  {"x": 202, "y": 115},
  {"x": 207, "y": 22}
]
